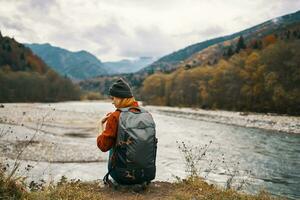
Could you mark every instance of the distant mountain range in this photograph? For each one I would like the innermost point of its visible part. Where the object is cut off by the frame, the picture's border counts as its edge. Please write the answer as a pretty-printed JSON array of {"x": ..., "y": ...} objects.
[
  {"x": 82, "y": 64},
  {"x": 128, "y": 66},
  {"x": 75, "y": 65}
]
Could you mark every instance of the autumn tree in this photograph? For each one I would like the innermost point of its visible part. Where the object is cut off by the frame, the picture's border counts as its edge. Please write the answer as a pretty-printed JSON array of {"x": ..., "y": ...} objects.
[{"x": 269, "y": 39}]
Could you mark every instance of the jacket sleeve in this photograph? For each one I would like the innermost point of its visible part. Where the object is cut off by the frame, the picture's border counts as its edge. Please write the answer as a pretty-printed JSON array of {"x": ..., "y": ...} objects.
[{"x": 108, "y": 137}]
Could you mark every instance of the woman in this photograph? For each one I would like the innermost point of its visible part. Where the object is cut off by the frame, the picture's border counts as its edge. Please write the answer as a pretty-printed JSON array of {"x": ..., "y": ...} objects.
[
  {"x": 130, "y": 135},
  {"x": 122, "y": 97}
]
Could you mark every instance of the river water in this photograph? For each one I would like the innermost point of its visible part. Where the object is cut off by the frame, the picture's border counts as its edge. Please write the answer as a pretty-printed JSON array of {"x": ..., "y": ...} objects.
[{"x": 263, "y": 159}]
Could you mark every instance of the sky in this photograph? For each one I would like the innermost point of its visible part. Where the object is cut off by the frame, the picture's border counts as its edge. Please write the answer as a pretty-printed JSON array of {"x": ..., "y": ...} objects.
[{"x": 128, "y": 29}]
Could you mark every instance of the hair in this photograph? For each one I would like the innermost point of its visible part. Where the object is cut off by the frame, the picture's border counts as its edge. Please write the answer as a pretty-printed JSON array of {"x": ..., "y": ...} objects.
[{"x": 124, "y": 102}]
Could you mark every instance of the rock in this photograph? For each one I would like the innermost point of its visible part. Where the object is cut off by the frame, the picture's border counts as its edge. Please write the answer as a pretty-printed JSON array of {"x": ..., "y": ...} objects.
[{"x": 244, "y": 113}]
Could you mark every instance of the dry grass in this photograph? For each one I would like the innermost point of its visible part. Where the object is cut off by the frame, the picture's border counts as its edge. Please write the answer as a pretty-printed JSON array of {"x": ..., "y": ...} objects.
[
  {"x": 10, "y": 187},
  {"x": 67, "y": 190},
  {"x": 190, "y": 188},
  {"x": 197, "y": 188}
]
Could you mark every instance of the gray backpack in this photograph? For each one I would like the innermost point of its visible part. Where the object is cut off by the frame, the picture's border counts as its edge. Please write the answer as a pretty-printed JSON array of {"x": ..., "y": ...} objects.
[{"x": 132, "y": 160}]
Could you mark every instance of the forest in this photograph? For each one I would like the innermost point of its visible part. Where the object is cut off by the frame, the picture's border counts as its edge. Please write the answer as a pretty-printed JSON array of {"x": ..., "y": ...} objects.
[
  {"x": 24, "y": 77},
  {"x": 258, "y": 75}
]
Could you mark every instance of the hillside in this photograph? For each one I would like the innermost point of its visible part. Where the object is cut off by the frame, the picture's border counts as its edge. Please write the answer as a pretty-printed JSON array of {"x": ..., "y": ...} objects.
[
  {"x": 253, "y": 74},
  {"x": 171, "y": 61},
  {"x": 257, "y": 71},
  {"x": 84, "y": 65},
  {"x": 25, "y": 77},
  {"x": 207, "y": 52},
  {"x": 76, "y": 65}
]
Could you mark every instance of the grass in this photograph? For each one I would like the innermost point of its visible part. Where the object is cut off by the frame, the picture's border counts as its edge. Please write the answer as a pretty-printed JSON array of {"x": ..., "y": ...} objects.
[
  {"x": 197, "y": 188},
  {"x": 10, "y": 187},
  {"x": 190, "y": 188},
  {"x": 67, "y": 190}
]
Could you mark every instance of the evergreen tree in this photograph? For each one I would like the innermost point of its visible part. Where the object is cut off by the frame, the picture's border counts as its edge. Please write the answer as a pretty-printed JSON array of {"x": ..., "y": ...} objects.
[
  {"x": 240, "y": 45},
  {"x": 255, "y": 45},
  {"x": 229, "y": 52},
  {"x": 22, "y": 57},
  {"x": 288, "y": 34},
  {"x": 8, "y": 48}
]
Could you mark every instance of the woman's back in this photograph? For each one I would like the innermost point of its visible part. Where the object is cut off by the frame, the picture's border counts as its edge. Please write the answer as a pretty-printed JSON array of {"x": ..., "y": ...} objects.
[{"x": 130, "y": 136}]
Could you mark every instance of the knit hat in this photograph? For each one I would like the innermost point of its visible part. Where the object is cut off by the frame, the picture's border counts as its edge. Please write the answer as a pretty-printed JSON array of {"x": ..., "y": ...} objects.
[{"x": 120, "y": 89}]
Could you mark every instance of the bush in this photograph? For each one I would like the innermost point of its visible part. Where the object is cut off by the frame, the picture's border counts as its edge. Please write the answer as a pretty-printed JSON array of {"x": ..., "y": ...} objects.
[
  {"x": 10, "y": 188},
  {"x": 91, "y": 96},
  {"x": 68, "y": 189}
]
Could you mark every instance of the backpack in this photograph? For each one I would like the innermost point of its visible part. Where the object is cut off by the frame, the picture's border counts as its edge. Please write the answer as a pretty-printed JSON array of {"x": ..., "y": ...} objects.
[{"x": 132, "y": 159}]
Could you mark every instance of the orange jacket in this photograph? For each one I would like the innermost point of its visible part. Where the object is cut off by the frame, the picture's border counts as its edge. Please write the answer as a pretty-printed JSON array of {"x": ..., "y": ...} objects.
[{"x": 108, "y": 137}]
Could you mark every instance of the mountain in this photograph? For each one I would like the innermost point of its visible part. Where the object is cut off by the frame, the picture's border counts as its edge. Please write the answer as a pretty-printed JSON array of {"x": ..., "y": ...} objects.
[
  {"x": 127, "y": 66},
  {"x": 24, "y": 77},
  {"x": 76, "y": 65},
  {"x": 203, "y": 53},
  {"x": 254, "y": 72},
  {"x": 84, "y": 65},
  {"x": 171, "y": 61}
]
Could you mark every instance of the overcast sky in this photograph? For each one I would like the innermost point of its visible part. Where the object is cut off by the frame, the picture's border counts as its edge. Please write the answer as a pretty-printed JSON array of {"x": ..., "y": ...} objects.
[{"x": 116, "y": 29}]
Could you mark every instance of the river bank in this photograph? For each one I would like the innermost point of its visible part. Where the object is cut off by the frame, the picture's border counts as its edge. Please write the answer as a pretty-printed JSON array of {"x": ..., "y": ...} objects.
[
  {"x": 272, "y": 122},
  {"x": 46, "y": 124},
  {"x": 190, "y": 188},
  {"x": 60, "y": 139}
]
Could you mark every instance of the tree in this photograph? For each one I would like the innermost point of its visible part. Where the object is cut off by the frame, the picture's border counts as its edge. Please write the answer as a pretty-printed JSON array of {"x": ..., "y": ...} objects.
[
  {"x": 154, "y": 89},
  {"x": 229, "y": 52},
  {"x": 256, "y": 44},
  {"x": 270, "y": 39},
  {"x": 22, "y": 57},
  {"x": 8, "y": 48},
  {"x": 240, "y": 44}
]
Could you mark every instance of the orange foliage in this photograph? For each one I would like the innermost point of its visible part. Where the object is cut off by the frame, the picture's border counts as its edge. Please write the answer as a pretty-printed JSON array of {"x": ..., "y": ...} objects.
[
  {"x": 36, "y": 63},
  {"x": 270, "y": 39}
]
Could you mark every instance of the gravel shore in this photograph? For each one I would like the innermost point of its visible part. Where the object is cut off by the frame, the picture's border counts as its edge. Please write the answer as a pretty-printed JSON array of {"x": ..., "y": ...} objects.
[
  {"x": 44, "y": 133},
  {"x": 52, "y": 133},
  {"x": 280, "y": 123}
]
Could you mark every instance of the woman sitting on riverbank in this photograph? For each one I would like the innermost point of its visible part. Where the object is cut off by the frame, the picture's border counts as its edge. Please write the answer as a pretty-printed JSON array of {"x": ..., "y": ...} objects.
[{"x": 129, "y": 134}]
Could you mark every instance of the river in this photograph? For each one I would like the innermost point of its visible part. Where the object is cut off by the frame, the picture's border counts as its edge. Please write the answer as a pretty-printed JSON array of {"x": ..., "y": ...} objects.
[{"x": 66, "y": 145}]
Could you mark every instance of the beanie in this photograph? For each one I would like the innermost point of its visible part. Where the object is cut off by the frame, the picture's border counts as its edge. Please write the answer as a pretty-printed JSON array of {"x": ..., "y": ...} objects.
[{"x": 120, "y": 89}]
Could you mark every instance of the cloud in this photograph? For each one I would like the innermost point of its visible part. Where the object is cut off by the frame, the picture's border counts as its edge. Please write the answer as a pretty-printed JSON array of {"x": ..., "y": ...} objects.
[
  {"x": 40, "y": 6},
  {"x": 146, "y": 41},
  {"x": 15, "y": 28},
  {"x": 212, "y": 31},
  {"x": 207, "y": 32},
  {"x": 105, "y": 34},
  {"x": 11, "y": 24},
  {"x": 113, "y": 38},
  {"x": 105, "y": 37},
  {"x": 119, "y": 29}
]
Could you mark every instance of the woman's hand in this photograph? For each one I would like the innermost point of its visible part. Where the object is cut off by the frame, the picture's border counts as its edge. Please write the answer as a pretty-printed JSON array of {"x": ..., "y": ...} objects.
[{"x": 102, "y": 122}]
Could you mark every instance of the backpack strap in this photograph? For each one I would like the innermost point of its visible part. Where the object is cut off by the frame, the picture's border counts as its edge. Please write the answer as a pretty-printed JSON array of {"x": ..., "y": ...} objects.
[
  {"x": 126, "y": 109},
  {"x": 105, "y": 179}
]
